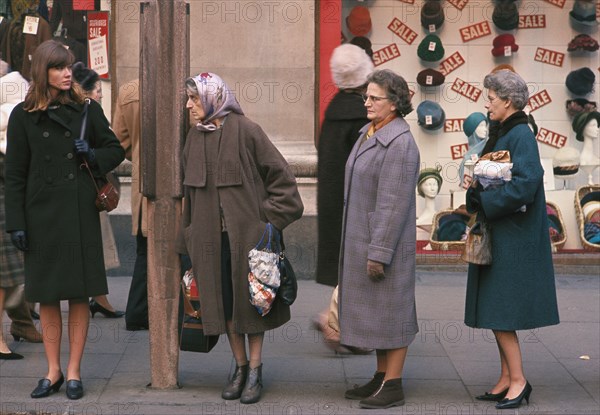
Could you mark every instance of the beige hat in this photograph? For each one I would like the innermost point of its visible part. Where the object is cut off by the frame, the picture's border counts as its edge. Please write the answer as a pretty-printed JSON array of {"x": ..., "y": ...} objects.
[{"x": 350, "y": 66}]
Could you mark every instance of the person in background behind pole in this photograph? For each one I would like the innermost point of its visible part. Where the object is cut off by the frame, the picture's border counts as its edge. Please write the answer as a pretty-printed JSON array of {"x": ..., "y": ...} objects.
[
  {"x": 235, "y": 181},
  {"x": 344, "y": 117},
  {"x": 127, "y": 127},
  {"x": 89, "y": 80},
  {"x": 516, "y": 291},
  {"x": 377, "y": 259},
  {"x": 51, "y": 213}
]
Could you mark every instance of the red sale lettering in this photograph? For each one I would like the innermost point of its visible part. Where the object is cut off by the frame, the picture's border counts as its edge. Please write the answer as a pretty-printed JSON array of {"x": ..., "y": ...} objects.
[
  {"x": 386, "y": 54},
  {"x": 539, "y": 100},
  {"x": 466, "y": 89},
  {"x": 402, "y": 31},
  {"x": 475, "y": 31},
  {"x": 550, "y": 57},
  {"x": 451, "y": 63},
  {"x": 551, "y": 138},
  {"x": 453, "y": 125}
]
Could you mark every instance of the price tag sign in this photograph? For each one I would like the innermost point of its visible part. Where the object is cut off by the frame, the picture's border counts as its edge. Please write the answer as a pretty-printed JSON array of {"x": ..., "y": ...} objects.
[
  {"x": 429, "y": 80},
  {"x": 31, "y": 25},
  {"x": 428, "y": 120},
  {"x": 507, "y": 50},
  {"x": 431, "y": 28},
  {"x": 431, "y": 46},
  {"x": 99, "y": 55}
]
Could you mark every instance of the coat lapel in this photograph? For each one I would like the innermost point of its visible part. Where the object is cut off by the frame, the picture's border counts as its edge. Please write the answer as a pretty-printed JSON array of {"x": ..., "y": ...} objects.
[{"x": 228, "y": 161}]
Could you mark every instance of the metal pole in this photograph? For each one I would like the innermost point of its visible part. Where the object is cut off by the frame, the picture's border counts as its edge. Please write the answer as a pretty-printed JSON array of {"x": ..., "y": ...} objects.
[{"x": 164, "y": 42}]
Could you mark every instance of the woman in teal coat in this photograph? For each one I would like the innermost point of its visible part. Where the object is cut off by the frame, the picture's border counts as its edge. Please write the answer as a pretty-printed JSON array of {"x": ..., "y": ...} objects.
[
  {"x": 517, "y": 291},
  {"x": 50, "y": 205}
]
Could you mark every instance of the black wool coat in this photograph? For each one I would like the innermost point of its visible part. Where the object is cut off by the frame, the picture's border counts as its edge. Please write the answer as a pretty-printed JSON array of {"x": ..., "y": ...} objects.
[
  {"x": 51, "y": 197},
  {"x": 344, "y": 117}
]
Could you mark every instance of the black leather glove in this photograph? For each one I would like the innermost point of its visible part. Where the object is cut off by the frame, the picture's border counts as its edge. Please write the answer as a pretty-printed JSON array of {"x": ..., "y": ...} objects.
[
  {"x": 83, "y": 148},
  {"x": 19, "y": 240}
]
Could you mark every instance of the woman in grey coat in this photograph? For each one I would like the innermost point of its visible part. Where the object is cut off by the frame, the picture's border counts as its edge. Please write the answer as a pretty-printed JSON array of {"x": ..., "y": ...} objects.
[
  {"x": 516, "y": 291},
  {"x": 50, "y": 205},
  {"x": 377, "y": 261}
]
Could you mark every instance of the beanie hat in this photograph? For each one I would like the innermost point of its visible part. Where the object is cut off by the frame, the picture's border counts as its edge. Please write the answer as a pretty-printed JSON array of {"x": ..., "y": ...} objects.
[
  {"x": 506, "y": 15},
  {"x": 581, "y": 81},
  {"x": 432, "y": 14},
  {"x": 583, "y": 42},
  {"x": 430, "y": 77},
  {"x": 503, "y": 66},
  {"x": 581, "y": 120},
  {"x": 577, "y": 105},
  {"x": 359, "y": 21},
  {"x": 565, "y": 161},
  {"x": 85, "y": 77},
  {"x": 430, "y": 115},
  {"x": 429, "y": 173},
  {"x": 504, "y": 41},
  {"x": 584, "y": 12},
  {"x": 363, "y": 43},
  {"x": 350, "y": 66},
  {"x": 430, "y": 49},
  {"x": 472, "y": 121}
]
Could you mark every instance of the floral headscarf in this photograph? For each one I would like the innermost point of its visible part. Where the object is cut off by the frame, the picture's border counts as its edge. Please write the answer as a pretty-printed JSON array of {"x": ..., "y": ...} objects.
[{"x": 216, "y": 98}]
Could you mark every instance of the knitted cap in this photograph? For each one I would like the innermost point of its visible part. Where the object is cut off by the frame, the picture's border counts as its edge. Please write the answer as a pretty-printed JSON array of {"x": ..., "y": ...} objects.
[
  {"x": 432, "y": 14},
  {"x": 359, "y": 21},
  {"x": 430, "y": 115},
  {"x": 350, "y": 66},
  {"x": 581, "y": 120},
  {"x": 363, "y": 43},
  {"x": 430, "y": 77},
  {"x": 506, "y": 15},
  {"x": 431, "y": 49},
  {"x": 472, "y": 121},
  {"x": 581, "y": 81},
  {"x": 85, "y": 77},
  {"x": 503, "y": 41},
  {"x": 583, "y": 42}
]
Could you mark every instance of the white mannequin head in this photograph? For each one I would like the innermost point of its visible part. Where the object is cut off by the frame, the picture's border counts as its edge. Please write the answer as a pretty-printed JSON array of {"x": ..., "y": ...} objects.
[
  {"x": 482, "y": 129},
  {"x": 591, "y": 131},
  {"x": 430, "y": 188}
]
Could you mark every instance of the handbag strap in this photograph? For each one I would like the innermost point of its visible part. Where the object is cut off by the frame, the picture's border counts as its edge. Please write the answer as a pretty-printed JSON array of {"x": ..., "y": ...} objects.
[
  {"x": 82, "y": 135},
  {"x": 269, "y": 232}
]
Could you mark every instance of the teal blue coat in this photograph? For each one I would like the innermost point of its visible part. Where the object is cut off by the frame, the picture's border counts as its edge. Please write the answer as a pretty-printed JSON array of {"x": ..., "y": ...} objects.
[{"x": 517, "y": 291}]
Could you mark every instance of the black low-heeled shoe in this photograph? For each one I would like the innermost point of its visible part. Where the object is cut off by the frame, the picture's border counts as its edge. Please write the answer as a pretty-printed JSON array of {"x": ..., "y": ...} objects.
[
  {"x": 44, "y": 387},
  {"x": 97, "y": 308},
  {"x": 492, "y": 396},
  {"x": 74, "y": 389},
  {"x": 516, "y": 402}
]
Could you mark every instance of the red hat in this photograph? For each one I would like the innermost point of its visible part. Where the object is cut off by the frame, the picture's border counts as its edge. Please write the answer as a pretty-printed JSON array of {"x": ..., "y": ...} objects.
[
  {"x": 359, "y": 21},
  {"x": 502, "y": 42}
]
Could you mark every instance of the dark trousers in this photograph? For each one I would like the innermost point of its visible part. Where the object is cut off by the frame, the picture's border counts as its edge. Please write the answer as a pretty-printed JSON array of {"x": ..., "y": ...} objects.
[
  {"x": 136, "y": 312},
  {"x": 21, "y": 318}
]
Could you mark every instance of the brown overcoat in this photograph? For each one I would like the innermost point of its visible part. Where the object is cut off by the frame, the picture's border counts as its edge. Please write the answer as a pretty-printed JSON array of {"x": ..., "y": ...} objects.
[{"x": 251, "y": 182}]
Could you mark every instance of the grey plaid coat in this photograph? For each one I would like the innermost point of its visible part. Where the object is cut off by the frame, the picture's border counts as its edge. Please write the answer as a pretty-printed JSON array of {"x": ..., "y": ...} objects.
[{"x": 380, "y": 224}]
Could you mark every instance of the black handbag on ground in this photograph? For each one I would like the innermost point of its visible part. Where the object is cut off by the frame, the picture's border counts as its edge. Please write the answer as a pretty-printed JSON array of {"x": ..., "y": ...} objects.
[
  {"x": 288, "y": 288},
  {"x": 191, "y": 329}
]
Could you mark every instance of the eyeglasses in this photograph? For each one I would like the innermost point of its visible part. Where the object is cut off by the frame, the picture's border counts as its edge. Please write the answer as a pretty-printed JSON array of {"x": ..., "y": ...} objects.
[
  {"x": 491, "y": 99},
  {"x": 374, "y": 99}
]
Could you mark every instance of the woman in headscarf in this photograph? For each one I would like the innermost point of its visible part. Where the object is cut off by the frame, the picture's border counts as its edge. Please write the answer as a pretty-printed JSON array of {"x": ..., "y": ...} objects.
[{"x": 235, "y": 182}]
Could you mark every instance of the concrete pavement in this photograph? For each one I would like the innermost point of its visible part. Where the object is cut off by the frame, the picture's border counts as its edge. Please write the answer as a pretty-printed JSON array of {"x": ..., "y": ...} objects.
[{"x": 447, "y": 365}]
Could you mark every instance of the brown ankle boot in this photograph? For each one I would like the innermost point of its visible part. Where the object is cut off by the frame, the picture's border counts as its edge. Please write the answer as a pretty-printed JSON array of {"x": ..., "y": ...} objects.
[
  {"x": 366, "y": 390},
  {"x": 236, "y": 384},
  {"x": 389, "y": 394},
  {"x": 253, "y": 388}
]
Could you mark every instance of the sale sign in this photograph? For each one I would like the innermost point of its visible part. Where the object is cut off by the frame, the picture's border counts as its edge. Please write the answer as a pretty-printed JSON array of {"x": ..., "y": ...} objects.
[{"x": 98, "y": 42}]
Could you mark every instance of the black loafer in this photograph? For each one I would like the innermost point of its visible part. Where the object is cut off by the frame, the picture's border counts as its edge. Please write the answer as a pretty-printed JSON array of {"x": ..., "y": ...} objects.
[
  {"x": 44, "y": 388},
  {"x": 136, "y": 327},
  {"x": 74, "y": 389}
]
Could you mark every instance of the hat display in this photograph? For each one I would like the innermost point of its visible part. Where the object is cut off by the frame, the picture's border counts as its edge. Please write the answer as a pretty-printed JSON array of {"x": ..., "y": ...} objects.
[
  {"x": 472, "y": 121},
  {"x": 583, "y": 42},
  {"x": 506, "y": 15},
  {"x": 363, "y": 43},
  {"x": 430, "y": 77},
  {"x": 577, "y": 105},
  {"x": 565, "y": 161},
  {"x": 85, "y": 77},
  {"x": 359, "y": 21},
  {"x": 350, "y": 66},
  {"x": 430, "y": 115},
  {"x": 502, "y": 42},
  {"x": 432, "y": 172},
  {"x": 451, "y": 230},
  {"x": 431, "y": 49},
  {"x": 502, "y": 67},
  {"x": 432, "y": 15},
  {"x": 581, "y": 81},
  {"x": 584, "y": 12},
  {"x": 590, "y": 197},
  {"x": 581, "y": 120}
]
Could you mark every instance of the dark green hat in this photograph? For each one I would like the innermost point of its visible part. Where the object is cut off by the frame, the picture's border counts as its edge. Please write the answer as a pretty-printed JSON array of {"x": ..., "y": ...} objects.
[
  {"x": 426, "y": 174},
  {"x": 581, "y": 120},
  {"x": 431, "y": 49}
]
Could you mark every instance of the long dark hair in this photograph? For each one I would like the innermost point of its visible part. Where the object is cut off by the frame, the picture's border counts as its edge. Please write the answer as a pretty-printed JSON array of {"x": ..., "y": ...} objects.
[{"x": 50, "y": 54}]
